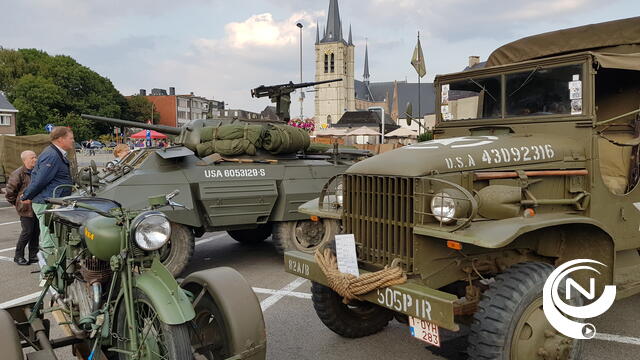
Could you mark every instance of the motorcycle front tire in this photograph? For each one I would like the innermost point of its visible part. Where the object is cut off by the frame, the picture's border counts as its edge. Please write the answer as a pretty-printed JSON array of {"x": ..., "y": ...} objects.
[{"x": 162, "y": 341}]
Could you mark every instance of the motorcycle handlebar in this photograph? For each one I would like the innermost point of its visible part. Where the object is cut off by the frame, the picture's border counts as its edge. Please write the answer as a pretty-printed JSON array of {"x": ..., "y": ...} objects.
[{"x": 55, "y": 201}]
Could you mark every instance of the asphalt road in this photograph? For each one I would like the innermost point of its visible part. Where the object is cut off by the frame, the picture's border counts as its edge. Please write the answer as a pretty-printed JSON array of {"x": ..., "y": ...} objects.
[{"x": 293, "y": 329}]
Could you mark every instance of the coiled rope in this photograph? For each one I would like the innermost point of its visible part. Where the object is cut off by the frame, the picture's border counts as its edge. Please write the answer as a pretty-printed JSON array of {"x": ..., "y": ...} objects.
[{"x": 350, "y": 287}]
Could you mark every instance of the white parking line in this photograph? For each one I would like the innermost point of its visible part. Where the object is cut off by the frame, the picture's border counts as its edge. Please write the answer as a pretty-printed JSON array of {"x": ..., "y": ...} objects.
[
  {"x": 9, "y": 223},
  {"x": 279, "y": 294},
  {"x": 8, "y": 249},
  {"x": 618, "y": 338},
  {"x": 19, "y": 300},
  {"x": 297, "y": 294},
  {"x": 9, "y": 207}
]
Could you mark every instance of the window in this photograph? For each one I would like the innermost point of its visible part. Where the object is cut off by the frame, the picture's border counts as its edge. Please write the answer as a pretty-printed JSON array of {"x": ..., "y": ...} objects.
[
  {"x": 5, "y": 120},
  {"x": 326, "y": 63},
  {"x": 545, "y": 91},
  {"x": 471, "y": 99},
  {"x": 333, "y": 67}
]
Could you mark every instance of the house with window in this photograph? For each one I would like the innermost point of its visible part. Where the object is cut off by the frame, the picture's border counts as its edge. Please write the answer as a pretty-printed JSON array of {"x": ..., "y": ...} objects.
[{"x": 8, "y": 115}]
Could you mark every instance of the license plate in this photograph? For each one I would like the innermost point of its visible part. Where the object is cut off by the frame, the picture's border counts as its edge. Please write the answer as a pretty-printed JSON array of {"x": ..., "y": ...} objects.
[{"x": 425, "y": 331}]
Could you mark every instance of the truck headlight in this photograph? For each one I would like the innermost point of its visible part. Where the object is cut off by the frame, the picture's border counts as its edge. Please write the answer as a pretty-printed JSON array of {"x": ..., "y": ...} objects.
[
  {"x": 151, "y": 230},
  {"x": 449, "y": 205},
  {"x": 340, "y": 193}
]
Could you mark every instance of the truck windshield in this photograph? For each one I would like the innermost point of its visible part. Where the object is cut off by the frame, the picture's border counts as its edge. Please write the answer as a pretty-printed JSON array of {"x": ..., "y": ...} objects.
[
  {"x": 471, "y": 99},
  {"x": 545, "y": 91}
]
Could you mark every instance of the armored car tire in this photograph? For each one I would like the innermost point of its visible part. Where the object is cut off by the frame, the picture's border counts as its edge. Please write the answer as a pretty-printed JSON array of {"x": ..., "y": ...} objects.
[
  {"x": 354, "y": 320},
  {"x": 251, "y": 236},
  {"x": 9, "y": 340},
  {"x": 304, "y": 235},
  {"x": 510, "y": 323},
  {"x": 178, "y": 252}
]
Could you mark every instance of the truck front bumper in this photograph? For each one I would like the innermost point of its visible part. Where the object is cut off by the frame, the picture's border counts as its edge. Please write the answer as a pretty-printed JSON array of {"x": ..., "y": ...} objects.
[{"x": 411, "y": 298}]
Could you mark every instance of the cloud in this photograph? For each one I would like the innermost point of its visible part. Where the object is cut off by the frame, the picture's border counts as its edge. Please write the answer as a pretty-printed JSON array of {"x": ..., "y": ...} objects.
[{"x": 261, "y": 31}]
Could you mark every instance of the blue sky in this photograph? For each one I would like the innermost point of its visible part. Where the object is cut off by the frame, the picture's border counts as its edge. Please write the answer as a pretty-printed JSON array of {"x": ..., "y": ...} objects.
[{"x": 222, "y": 49}]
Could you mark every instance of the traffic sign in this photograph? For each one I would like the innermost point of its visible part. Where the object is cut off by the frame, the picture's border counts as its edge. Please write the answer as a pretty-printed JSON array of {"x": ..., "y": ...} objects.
[
  {"x": 49, "y": 127},
  {"x": 148, "y": 134}
]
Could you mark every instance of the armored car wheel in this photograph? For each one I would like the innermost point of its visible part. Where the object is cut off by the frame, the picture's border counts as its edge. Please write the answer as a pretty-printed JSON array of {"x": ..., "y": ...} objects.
[
  {"x": 304, "y": 235},
  {"x": 354, "y": 320},
  {"x": 158, "y": 340},
  {"x": 510, "y": 323},
  {"x": 177, "y": 253},
  {"x": 9, "y": 340},
  {"x": 251, "y": 236}
]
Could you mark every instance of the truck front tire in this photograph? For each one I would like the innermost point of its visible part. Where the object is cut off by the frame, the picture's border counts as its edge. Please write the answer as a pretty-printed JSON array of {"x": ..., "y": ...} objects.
[
  {"x": 510, "y": 323},
  {"x": 354, "y": 320}
]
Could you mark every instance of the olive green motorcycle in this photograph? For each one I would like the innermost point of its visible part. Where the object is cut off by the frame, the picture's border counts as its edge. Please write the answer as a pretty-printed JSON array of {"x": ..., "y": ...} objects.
[{"x": 116, "y": 300}]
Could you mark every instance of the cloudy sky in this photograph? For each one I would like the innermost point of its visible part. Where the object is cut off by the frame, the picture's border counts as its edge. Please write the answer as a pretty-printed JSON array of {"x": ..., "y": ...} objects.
[{"x": 221, "y": 49}]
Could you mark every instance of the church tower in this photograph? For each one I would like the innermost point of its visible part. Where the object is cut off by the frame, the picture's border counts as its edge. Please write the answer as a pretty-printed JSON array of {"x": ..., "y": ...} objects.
[{"x": 335, "y": 58}]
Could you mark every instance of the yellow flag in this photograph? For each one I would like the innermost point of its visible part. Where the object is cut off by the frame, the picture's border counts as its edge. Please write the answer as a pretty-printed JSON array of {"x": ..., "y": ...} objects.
[{"x": 418, "y": 60}]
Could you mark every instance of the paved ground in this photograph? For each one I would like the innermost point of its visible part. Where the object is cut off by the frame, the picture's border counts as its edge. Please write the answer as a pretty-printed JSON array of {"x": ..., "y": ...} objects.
[{"x": 294, "y": 331}]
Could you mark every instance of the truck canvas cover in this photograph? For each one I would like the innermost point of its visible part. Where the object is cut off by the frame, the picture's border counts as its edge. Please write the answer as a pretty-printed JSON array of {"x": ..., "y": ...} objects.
[{"x": 621, "y": 51}]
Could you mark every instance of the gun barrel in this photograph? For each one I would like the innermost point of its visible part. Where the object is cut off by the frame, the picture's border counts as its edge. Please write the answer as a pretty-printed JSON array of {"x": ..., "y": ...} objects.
[
  {"x": 263, "y": 90},
  {"x": 119, "y": 122}
]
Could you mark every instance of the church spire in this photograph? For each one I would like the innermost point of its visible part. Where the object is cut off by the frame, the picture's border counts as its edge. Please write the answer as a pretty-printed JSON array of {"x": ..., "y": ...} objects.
[
  {"x": 366, "y": 64},
  {"x": 350, "y": 43},
  {"x": 317, "y": 33},
  {"x": 333, "y": 31}
]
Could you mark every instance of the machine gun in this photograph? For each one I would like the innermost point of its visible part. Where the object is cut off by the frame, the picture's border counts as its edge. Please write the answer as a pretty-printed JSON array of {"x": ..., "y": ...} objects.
[{"x": 281, "y": 95}]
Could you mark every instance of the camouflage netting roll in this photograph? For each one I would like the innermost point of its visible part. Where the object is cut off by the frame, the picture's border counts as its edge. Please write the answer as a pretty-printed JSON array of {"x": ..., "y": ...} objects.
[
  {"x": 285, "y": 139},
  {"x": 231, "y": 140}
]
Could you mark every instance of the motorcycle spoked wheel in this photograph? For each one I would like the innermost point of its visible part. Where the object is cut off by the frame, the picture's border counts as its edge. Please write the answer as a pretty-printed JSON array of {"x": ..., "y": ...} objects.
[
  {"x": 209, "y": 335},
  {"x": 158, "y": 340}
]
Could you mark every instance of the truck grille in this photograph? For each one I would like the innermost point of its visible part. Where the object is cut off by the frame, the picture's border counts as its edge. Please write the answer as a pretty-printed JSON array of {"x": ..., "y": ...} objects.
[{"x": 378, "y": 210}]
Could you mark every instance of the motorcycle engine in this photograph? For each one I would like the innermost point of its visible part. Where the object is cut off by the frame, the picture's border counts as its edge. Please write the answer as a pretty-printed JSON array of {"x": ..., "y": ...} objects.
[{"x": 87, "y": 293}]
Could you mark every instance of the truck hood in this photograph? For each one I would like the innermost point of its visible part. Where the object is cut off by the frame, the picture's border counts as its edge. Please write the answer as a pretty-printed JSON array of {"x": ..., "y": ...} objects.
[{"x": 471, "y": 153}]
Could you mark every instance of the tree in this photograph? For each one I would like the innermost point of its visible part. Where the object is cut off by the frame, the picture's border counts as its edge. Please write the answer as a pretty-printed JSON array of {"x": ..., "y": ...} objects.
[
  {"x": 139, "y": 109},
  {"x": 56, "y": 90}
]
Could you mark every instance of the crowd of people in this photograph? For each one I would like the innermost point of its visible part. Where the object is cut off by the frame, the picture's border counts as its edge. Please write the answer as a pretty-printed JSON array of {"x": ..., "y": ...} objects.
[{"x": 39, "y": 177}]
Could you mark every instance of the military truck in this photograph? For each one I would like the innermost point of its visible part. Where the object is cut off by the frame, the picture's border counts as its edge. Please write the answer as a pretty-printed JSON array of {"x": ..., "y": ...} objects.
[
  {"x": 534, "y": 164},
  {"x": 251, "y": 197}
]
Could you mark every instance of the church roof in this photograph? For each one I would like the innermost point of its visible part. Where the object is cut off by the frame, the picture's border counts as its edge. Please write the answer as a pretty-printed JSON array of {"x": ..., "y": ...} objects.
[
  {"x": 333, "y": 31},
  {"x": 355, "y": 119},
  {"x": 407, "y": 92}
]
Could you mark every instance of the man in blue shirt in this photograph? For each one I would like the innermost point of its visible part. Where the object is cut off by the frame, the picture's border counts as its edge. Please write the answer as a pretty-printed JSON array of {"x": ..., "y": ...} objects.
[{"x": 51, "y": 171}]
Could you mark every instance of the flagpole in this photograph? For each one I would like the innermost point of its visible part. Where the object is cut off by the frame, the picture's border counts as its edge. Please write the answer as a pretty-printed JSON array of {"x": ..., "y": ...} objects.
[{"x": 419, "y": 98}]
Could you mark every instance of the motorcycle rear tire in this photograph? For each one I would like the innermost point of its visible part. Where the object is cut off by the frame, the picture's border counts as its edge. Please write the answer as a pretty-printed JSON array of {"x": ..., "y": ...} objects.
[{"x": 172, "y": 340}]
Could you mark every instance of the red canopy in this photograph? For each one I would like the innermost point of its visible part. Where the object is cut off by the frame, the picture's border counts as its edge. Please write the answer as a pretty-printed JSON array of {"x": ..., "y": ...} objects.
[{"x": 143, "y": 135}]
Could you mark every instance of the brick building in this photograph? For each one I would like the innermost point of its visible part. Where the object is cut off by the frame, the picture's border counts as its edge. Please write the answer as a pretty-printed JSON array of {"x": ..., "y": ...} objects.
[
  {"x": 7, "y": 116},
  {"x": 176, "y": 110}
]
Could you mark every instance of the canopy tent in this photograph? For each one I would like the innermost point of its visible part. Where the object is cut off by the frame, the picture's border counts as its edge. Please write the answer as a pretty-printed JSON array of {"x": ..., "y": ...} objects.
[
  {"x": 402, "y": 132},
  {"x": 617, "y": 37},
  {"x": 143, "y": 135},
  {"x": 363, "y": 131}
]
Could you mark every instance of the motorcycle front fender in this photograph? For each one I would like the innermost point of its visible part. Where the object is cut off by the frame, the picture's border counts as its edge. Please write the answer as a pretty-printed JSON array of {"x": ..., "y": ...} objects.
[{"x": 172, "y": 304}]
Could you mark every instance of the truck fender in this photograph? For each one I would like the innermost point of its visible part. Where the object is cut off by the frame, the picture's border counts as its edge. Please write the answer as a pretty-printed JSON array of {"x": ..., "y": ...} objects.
[
  {"x": 171, "y": 302},
  {"x": 239, "y": 306}
]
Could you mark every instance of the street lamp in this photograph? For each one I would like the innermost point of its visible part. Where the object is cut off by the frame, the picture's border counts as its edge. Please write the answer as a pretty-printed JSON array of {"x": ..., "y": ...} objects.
[{"x": 299, "y": 25}]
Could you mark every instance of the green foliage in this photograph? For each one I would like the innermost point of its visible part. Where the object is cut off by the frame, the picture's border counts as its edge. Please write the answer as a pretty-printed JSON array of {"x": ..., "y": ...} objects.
[
  {"x": 56, "y": 90},
  {"x": 139, "y": 109},
  {"x": 425, "y": 136}
]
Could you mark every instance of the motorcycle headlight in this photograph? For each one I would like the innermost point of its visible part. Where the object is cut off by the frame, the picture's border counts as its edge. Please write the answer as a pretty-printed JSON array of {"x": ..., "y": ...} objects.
[{"x": 151, "y": 230}]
